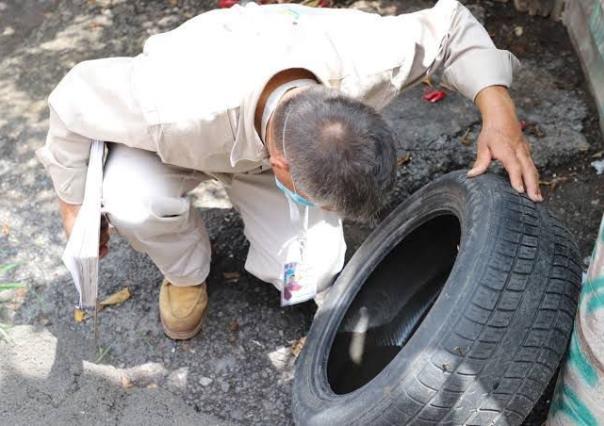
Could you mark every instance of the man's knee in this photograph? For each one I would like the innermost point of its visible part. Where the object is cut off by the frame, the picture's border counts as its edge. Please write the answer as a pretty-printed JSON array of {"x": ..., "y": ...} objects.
[
  {"x": 322, "y": 259},
  {"x": 327, "y": 270},
  {"x": 147, "y": 216}
]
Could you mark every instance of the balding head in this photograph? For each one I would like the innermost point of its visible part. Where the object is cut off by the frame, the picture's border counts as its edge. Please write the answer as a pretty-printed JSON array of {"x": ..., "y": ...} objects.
[{"x": 340, "y": 151}]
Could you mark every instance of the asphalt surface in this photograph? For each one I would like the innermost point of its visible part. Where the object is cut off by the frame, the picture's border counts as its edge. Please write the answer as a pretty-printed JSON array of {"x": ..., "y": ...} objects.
[{"x": 239, "y": 369}]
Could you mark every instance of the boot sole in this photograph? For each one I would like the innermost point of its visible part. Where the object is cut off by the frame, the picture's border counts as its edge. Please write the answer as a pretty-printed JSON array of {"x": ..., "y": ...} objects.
[{"x": 183, "y": 335}]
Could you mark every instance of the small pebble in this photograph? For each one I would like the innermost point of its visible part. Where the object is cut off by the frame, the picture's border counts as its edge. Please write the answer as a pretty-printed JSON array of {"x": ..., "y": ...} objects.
[
  {"x": 599, "y": 166},
  {"x": 205, "y": 381}
]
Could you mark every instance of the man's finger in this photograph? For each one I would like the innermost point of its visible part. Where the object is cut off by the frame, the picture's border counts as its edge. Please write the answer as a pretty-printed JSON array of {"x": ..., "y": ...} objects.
[
  {"x": 512, "y": 166},
  {"x": 483, "y": 160},
  {"x": 530, "y": 177}
]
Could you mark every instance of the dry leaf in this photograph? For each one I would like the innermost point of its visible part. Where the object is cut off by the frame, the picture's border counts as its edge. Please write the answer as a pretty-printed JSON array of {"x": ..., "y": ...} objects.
[
  {"x": 79, "y": 315},
  {"x": 297, "y": 346},
  {"x": 5, "y": 229},
  {"x": 401, "y": 161},
  {"x": 534, "y": 129},
  {"x": 116, "y": 298},
  {"x": 553, "y": 184},
  {"x": 152, "y": 386},
  {"x": 231, "y": 276},
  {"x": 465, "y": 139}
]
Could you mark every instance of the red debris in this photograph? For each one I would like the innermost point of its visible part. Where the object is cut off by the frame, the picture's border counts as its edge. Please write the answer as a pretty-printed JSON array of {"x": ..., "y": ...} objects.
[
  {"x": 225, "y": 4},
  {"x": 433, "y": 95}
]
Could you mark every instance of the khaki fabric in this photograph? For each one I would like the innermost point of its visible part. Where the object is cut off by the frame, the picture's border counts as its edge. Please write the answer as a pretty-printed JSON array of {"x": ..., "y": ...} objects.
[
  {"x": 190, "y": 96},
  {"x": 146, "y": 200}
]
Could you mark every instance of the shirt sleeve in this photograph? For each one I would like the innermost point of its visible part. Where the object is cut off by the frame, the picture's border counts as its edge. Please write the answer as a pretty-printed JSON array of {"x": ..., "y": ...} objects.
[
  {"x": 450, "y": 37},
  {"x": 93, "y": 101}
]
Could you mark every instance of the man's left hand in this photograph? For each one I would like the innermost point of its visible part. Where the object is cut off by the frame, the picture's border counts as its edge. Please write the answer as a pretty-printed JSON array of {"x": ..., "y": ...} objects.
[{"x": 501, "y": 139}]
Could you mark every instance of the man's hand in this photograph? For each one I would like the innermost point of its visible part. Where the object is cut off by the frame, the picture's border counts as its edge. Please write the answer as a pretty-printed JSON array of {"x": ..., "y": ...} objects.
[
  {"x": 501, "y": 139},
  {"x": 69, "y": 212}
]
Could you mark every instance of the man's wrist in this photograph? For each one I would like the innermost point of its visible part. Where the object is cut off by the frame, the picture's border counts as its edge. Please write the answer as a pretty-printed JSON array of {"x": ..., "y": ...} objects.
[
  {"x": 496, "y": 106},
  {"x": 68, "y": 209}
]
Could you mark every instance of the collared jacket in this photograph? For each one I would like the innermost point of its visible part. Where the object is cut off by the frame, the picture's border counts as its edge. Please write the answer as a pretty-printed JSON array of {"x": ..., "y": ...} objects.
[{"x": 191, "y": 95}]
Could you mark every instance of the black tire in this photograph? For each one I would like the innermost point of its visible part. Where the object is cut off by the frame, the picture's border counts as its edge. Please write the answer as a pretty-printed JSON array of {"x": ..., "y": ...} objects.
[{"x": 463, "y": 301}]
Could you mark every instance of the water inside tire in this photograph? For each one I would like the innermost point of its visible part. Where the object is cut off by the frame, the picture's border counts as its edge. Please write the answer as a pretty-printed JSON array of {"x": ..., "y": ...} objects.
[{"x": 392, "y": 303}]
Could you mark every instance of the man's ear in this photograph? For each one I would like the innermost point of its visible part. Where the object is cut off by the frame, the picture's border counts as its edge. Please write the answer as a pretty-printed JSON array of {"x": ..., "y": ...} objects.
[{"x": 278, "y": 162}]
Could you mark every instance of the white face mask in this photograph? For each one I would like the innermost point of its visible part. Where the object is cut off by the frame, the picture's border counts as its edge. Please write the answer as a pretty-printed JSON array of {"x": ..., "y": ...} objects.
[{"x": 269, "y": 108}]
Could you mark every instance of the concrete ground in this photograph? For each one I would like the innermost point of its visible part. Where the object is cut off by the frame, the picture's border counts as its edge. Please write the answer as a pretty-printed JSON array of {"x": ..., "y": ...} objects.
[{"x": 239, "y": 369}]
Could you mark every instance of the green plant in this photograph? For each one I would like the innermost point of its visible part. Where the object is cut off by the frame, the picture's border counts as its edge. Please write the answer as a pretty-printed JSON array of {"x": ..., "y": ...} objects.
[{"x": 4, "y": 287}]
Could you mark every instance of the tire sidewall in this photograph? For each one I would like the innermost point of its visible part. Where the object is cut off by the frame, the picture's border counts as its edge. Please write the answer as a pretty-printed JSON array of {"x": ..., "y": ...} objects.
[{"x": 473, "y": 202}]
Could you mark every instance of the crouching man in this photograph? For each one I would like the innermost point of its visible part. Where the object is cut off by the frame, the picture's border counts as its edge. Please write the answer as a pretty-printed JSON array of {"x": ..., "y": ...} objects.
[{"x": 280, "y": 103}]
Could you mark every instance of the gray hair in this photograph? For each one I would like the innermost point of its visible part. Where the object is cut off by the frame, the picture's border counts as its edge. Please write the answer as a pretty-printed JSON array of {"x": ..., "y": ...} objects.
[{"x": 341, "y": 151}]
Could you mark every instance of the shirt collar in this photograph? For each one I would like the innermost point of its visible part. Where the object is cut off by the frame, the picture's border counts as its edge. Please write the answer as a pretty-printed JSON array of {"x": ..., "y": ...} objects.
[{"x": 273, "y": 100}]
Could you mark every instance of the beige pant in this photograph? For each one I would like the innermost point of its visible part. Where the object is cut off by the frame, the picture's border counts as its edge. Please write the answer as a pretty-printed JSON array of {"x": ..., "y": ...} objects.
[{"x": 146, "y": 201}]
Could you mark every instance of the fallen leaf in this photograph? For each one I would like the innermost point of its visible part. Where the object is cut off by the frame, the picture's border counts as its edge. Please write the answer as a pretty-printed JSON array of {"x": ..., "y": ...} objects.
[
  {"x": 297, "y": 346},
  {"x": 152, "y": 386},
  {"x": 116, "y": 298},
  {"x": 79, "y": 315},
  {"x": 401, "y": 161},
  {"x": 231, "y": 277},
  {"x": 553, "y": 184},
  {"x": 532, "y": 128},
  {"x": 465, "y": 139},
  {"x": 5, "y": 229},
  {"x": 598, "y": 154}
]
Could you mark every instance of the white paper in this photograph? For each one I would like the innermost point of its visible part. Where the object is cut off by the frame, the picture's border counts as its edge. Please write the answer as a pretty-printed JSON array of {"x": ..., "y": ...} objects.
[{"x": 81, "y": 256}]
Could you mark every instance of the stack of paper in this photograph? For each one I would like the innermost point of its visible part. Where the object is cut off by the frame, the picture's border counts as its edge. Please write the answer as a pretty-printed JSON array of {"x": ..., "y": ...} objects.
[{"x": 81, "y": 256}]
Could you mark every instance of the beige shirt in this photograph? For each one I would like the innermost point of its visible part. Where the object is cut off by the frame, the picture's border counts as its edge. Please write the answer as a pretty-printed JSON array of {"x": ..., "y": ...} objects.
[{"x": 191, "y": 95}]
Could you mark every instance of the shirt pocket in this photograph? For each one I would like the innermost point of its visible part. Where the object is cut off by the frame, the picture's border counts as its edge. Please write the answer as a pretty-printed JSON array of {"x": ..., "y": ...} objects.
[{"x": 197, "y": 143}]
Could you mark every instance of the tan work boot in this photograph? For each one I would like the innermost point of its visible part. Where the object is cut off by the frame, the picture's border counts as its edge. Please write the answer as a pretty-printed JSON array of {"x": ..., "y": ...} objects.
[{"x": 182, "y": 309}]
